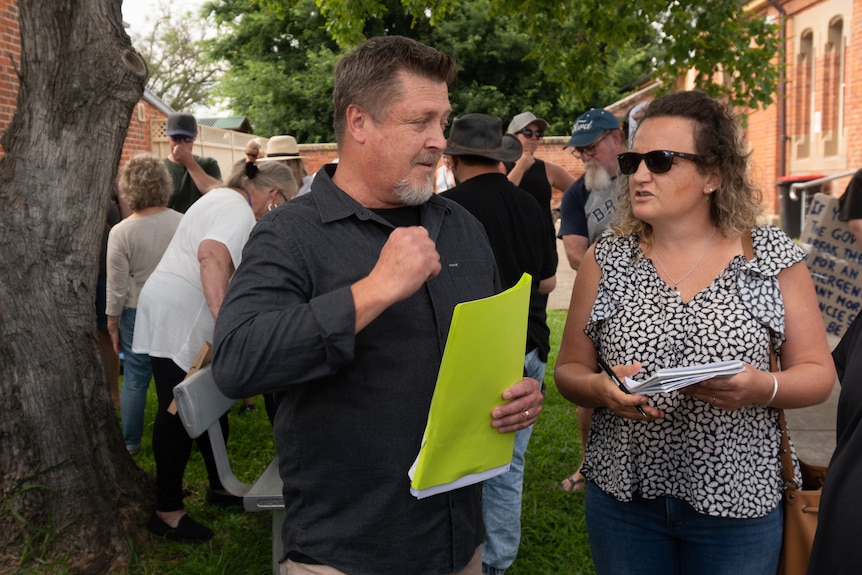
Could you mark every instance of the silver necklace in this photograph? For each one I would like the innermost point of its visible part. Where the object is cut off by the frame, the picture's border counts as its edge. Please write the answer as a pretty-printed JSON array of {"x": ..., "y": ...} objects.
[{"x": 691, "y": 271}]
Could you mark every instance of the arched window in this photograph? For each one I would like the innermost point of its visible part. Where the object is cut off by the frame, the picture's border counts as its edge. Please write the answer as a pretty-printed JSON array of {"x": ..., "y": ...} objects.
[
  {"x": 804, "y": 97},
  {"x": 833, "y": 88}
]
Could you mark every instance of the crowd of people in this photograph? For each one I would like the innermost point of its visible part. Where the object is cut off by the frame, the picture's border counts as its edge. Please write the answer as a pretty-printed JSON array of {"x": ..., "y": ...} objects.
[{"x": 332, "y": 296}]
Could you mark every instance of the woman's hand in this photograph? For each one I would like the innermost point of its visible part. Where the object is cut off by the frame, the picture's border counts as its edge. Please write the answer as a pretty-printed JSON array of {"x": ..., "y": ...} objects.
[
  {"x": 625, "y": 404},
  {"x": 748, "y": 387}
]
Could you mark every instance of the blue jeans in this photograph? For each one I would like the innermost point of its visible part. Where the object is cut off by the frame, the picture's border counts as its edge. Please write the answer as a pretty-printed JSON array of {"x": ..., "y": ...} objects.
[
  {"x": 137, "y": 373},
  {"x": 501, "y": 495},
  {"x": 667, "y": 536}
]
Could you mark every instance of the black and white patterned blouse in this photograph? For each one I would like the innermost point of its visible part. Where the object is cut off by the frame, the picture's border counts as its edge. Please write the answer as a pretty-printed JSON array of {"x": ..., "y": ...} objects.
[{"x": 722, "y": 463}]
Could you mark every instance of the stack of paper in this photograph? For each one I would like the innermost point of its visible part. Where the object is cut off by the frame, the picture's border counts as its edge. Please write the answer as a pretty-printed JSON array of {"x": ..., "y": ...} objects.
[
  {"x": 484, "y": 356},
  {"x": 674, "y": 378}
]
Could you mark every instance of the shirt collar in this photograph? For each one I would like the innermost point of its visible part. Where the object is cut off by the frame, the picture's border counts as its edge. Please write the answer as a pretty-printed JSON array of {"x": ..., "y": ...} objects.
[{"x": 334, "y": 204}]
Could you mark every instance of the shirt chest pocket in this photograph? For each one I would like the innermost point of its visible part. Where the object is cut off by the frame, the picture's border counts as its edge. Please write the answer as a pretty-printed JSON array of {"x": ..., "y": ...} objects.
[{"x": 468, "y": 279}]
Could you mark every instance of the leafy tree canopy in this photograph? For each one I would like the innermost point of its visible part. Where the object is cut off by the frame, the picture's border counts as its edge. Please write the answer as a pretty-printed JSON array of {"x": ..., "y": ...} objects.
[
  {"x": 281, "y": 57},
  {"x": 181, "y": 73},
  {"x": 576, "y": 42}
]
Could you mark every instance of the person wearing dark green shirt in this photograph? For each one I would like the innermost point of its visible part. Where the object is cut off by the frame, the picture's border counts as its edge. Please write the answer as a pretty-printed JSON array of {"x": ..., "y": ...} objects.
[{"x": 192, "y": 176}]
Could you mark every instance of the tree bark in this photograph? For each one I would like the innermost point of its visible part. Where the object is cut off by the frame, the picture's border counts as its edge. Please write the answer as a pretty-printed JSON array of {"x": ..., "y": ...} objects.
[{"x": 68, "y": 487}]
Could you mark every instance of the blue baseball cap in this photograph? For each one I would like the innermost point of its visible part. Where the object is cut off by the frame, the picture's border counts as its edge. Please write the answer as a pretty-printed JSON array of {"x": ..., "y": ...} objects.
[{"x": 590, "y": 126}]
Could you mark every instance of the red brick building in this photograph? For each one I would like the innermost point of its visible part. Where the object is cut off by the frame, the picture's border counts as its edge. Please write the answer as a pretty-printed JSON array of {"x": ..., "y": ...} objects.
[{"x": 812, "y": 127}]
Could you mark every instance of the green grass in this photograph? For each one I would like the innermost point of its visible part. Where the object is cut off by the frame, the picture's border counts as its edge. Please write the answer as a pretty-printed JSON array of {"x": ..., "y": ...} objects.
[{"x": 554, "y": 539}]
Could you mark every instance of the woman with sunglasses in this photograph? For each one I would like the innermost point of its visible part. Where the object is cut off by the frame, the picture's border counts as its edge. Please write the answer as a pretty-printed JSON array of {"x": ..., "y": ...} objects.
[
  {"x": 689, "y": 482},
  {"x": 176, "y": 313}
]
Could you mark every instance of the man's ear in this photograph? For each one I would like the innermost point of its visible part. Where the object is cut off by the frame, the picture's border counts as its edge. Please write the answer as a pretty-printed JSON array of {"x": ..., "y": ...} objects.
[{"x": 357, "y": 119}]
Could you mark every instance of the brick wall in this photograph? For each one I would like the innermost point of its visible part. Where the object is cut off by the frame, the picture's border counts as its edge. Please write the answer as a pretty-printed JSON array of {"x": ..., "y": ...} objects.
[
  {"x": 550, "y": 149},
  {"x": 10, "y": 51},
  {"x": 138, "y": 136}
]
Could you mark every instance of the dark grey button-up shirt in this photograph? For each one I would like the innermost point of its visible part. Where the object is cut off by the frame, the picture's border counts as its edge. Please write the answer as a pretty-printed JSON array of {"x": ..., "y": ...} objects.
[{"x": 352, "y": 407}]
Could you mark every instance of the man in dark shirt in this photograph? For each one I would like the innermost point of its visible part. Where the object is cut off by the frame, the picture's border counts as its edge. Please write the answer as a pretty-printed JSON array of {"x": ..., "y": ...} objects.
[
  {"x": 522, "y": 241},
  {"x": 192, "y": 175},
  {"x": 342, "y": 306}
]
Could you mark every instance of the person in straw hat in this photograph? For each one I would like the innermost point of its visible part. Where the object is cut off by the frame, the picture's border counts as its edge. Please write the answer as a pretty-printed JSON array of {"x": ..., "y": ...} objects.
[{"x": 285, "y": 149}]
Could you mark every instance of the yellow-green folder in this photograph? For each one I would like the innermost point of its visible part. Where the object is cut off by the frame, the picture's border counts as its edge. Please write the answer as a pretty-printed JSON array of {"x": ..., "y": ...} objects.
[{"x": 484, "y": 356}]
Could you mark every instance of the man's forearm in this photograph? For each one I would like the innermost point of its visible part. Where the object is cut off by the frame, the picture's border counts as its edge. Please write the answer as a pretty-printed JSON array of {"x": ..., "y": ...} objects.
[{"x": 202, "y": 180}]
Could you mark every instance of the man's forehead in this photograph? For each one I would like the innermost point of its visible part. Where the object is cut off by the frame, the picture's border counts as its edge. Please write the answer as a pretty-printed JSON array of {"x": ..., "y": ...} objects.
[{"x": 422, "y": 95}]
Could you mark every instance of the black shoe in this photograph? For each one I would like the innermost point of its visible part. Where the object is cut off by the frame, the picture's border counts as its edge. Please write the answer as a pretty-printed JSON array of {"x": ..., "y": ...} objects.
[
  {"x": 222, "y": 499},
  {"x": 245, "y": 409},
  {"x": 187, "y": 530}
]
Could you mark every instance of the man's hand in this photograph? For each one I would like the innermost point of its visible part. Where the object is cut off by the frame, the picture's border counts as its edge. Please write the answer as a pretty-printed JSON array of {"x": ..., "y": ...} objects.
[
  {"x": 182, "y": 153},
  {"x": 408, "y": 259},
  {"x": 524, "y": 405}
]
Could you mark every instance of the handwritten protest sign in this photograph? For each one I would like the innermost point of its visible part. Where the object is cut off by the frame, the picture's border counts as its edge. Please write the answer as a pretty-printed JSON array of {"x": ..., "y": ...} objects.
[{"x": 835, "y": 263}]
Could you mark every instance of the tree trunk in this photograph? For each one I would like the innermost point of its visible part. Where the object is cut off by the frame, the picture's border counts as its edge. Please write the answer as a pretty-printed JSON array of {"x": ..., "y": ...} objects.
[{"x": 68, "y": 488}]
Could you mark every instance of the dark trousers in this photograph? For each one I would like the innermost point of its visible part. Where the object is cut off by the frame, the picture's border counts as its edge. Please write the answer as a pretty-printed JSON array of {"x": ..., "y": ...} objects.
[{"x": 172, "y": 446}]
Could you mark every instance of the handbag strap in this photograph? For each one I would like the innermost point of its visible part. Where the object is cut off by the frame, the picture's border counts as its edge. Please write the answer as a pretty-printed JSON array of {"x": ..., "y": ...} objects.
[{"x": 784, "y": 449}]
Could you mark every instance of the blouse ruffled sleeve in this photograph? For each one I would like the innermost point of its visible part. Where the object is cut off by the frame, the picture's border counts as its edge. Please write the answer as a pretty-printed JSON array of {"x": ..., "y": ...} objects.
[{"x": 774, "y": 251}]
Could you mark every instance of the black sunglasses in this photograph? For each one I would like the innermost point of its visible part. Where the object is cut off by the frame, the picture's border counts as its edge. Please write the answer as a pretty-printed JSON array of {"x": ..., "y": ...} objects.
[
  {"x": 529, "y": 133},
  {"x": 657, "y": 161},
  {"x": 181, "y": 138}
]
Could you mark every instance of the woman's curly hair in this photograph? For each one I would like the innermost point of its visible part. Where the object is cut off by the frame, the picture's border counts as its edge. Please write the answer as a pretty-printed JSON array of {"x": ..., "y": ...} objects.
[
  {"x": 145, "y": 182},
  {"x": 719, "y": 138}
]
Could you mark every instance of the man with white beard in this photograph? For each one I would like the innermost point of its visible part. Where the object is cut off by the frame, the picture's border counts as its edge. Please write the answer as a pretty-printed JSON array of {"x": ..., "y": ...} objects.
[
  {"x": 585, "y": 212},
  {"x": 589, "y": 202}
]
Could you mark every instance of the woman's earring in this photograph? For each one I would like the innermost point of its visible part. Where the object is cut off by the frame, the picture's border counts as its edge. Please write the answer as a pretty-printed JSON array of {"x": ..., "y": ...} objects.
[{"x": 269, "y": 207}]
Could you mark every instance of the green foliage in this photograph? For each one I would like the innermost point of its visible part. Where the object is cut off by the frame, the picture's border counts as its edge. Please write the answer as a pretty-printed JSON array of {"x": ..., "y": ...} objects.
[
  {"x": 281, "y": 59},
  {"x": 182, "y": 73},
  {"x": 577, "y": 43},
  {"x": 554, "y": 58}
]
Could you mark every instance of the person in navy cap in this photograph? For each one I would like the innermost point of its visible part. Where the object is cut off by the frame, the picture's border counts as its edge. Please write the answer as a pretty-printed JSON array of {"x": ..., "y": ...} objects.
[{"x": 192, "y": 175}]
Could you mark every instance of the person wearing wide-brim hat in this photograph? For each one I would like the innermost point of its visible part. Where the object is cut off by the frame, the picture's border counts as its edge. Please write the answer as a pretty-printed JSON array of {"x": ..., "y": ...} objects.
[
  {"x": 285, "y": 149},
  {"x": 481, "y": 135},
  {"x": 522, "y": 239}
]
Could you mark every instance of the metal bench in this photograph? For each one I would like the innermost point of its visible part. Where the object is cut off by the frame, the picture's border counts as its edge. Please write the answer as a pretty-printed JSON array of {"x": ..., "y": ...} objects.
[{"x": 200, "y": 404}]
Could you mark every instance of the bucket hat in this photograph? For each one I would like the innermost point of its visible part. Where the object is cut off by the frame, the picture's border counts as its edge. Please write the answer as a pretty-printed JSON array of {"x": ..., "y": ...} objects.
[{"x": 481, "y": 135}]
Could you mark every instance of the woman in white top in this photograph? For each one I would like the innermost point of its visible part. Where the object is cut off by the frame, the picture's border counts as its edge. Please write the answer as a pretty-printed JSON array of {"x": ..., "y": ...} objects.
[
  {"x": 176, "y": 314},
  {"x": 135, "y": 246}
]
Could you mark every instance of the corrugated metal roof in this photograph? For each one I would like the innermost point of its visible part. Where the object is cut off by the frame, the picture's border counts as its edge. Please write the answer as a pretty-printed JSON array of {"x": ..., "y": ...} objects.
[{"x": 236, "y": 123}]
